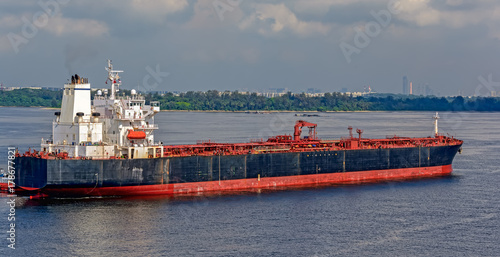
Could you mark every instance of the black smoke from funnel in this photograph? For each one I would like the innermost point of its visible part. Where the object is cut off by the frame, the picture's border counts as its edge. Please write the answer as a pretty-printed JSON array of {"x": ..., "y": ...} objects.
[{"x": 78, "y": 53}]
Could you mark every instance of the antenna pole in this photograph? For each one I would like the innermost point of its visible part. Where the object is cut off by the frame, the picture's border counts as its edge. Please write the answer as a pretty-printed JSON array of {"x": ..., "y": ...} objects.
[
  {"x": 113, "y": 77},
  {"x": 436, "y": 118}
]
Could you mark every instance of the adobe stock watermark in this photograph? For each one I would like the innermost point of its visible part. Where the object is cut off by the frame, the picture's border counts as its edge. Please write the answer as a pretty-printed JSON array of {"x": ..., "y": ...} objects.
[
  {"x": 277, "y": 124},
  {"x": 40, "y": 19},
  {"x": 222, "y": 6},
  {"x": 486, "y": 87},
  {"x": 11, "y": 175},
  {"x": 372, "y": 29},
  {"x": 152, "y": 80}
]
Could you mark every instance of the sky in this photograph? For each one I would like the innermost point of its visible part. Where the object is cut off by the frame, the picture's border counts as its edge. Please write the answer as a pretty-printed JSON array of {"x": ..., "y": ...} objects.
[{"x": 181, "y": 45}]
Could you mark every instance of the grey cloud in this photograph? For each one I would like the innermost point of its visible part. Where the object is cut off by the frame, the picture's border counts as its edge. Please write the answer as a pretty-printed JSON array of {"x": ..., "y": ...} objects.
[{"x": 225, "y": 56}]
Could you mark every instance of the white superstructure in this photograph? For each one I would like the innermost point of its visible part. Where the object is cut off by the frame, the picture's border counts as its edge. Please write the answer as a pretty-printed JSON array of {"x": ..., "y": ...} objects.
[{"x": 107, "y": 127}]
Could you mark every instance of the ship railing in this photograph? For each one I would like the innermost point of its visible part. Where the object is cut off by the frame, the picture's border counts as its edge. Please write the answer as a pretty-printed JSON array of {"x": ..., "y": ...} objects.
[
  {"x": 149, "y": 126},
  {"x": 47, "y": 141},
  {"x": 133, "y": 97},
  {"x": 204, "y": 142},
  {"x": 396, "y": 137},
  {"x": 136, "y": 97},
  {"x": 274, "y": 150}
]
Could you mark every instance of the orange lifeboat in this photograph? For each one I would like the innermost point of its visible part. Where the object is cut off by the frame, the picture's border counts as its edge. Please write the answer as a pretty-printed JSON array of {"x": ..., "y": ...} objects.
[{"x": 132, "y": 134}]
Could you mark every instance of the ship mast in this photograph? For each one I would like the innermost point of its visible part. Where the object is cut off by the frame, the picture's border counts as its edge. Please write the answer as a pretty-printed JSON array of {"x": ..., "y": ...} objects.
[
  {"x": 436, "y": 118},
  {"x": 114, "y": 78}
]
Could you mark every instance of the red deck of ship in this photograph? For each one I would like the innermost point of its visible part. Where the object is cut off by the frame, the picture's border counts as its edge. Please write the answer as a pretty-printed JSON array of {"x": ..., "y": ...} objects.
[{"x": 282, "y": 143}]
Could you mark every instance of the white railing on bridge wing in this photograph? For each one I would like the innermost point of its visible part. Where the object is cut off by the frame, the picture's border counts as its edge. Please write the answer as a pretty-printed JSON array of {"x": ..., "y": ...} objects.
[{"x": 150, "y": 126}]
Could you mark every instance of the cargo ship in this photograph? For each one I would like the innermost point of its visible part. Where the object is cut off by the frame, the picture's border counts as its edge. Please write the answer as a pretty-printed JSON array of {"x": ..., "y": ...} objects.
[{"x": 105, "y": 147}]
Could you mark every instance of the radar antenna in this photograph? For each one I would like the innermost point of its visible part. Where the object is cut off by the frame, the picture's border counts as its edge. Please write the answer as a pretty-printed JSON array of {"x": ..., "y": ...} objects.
[{"x": 114, "y": 78}]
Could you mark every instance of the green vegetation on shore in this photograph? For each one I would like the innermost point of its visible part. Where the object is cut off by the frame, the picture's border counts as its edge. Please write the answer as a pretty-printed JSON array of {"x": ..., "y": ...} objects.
[
  {"x": 31, "y": 97},
  {"x": 213, "y": 100}
]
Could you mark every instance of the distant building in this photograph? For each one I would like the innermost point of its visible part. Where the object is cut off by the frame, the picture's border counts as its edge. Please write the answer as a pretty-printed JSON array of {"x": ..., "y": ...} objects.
[
  {"x": 315, "y": 94},
  {"x": 355, "y": 94},
  {"x": 428, "y": 90},
  {"x": 53, "y": 88},
  {"x": 280, "y": 90},
  {"x": 274, "y": 92},
  {"x": 313, "y": 91},
  {"x": 405, "y": 86},
  {"x": 11, "y": 88},
  {"x": 411, "y": 88}
]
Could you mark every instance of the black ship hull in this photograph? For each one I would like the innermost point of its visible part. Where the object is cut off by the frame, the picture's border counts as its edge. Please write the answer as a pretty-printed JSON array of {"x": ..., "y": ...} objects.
[{"x": 195, "y": 174}]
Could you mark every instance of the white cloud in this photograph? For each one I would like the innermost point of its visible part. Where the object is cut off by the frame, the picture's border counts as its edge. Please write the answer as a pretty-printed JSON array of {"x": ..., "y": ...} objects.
[
  {"x": 270, "y": 19},
  {"x": 453, "y": 14},
  {"x": 418, "y": 12},
  {"x": 164, "y": 6},
  {"x": 10, "y": 22},
  {"x": 206, "y": 16},
  {"x": 155, "y": 8},
  {"x": 322, "y": 6},
  {"x": 14, "y": 27},
  {"x": 494, "y": 23},
  {"x": 422, "y": 13},
  {"x": 155, "y": 11},
  {"x": 60, "y": 26}
]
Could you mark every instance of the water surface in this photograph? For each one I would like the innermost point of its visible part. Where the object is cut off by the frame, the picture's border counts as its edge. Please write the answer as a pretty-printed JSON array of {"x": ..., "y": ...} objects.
[{"x": 451, "y": 216}]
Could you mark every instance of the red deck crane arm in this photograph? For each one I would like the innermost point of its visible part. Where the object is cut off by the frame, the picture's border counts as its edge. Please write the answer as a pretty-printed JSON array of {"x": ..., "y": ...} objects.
[{"x": 298, "y": 129}]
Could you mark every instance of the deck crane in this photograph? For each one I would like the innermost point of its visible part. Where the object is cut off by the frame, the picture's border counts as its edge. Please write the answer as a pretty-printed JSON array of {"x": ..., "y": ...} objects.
[{"x": 298, "y": 129}]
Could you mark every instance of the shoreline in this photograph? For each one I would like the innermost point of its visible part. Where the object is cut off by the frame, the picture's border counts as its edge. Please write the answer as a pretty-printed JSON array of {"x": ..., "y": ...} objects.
[
  {"x": 214, "y": 111},
  {"x": 39, "y": 107},
  {"x": 264, "y": 111},
  {"x": 255, "y": 111}
]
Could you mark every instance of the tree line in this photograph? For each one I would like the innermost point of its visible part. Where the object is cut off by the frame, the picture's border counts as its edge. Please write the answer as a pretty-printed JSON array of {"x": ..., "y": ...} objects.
[
  {"x": 213, "y": 100},
  {"x": 26, "y": 97}
]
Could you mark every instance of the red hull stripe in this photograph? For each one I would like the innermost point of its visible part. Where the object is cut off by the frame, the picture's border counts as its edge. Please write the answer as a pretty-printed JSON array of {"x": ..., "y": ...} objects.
[
  {"x": 4, "y": 186},
  {"x": 249, "y": 184}
]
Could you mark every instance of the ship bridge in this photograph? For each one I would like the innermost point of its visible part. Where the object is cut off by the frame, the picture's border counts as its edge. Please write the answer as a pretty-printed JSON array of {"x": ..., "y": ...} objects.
[{"x": 107, "y": 126}]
